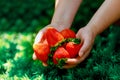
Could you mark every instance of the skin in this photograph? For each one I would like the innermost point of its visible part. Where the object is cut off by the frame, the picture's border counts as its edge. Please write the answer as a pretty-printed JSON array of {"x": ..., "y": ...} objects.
[
  {"x": 65, "y": 11},
  {"x": 62, "y": 18}
]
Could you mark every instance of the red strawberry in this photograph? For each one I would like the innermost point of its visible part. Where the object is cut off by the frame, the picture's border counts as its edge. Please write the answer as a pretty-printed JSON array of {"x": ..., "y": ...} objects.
[
  {"x": 73, "y": 49},
  {"x": 60, "y": 53},
  {"x": 41, "y": 51},
  {"x": 67, "y": 33},
  {"x": 53, "y": 36}
]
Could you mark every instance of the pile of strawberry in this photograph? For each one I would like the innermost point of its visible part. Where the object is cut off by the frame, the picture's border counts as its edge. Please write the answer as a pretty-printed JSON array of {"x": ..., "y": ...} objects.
[{"x": 55, "y": 47}]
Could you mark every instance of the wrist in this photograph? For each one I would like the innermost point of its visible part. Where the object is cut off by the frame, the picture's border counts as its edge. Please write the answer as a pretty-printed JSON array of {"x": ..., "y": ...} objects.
[
  {"x": 59, "y": 26},
  {"x": 91, "y": 28}
]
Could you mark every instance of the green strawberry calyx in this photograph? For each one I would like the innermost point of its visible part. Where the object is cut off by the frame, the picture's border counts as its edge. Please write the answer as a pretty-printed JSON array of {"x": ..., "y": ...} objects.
[{"x": 61, "y": 61}]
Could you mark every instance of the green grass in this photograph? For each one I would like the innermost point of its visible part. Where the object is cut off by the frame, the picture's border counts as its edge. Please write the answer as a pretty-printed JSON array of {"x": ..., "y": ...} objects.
[
  {"x": 20, "y": 22},
  {"x": 16, "y": 61}
]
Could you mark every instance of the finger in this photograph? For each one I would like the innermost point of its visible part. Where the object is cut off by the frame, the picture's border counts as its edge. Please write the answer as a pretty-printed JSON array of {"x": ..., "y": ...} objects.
[
  {"x": 79, "y": 59},
  {"x": 79, "y": 36},
  {"x": 85, "y": 47},
  {"x": 68, "y": 66},
  {"x": 38, "y": 37},
  {"x": 34, "y": 56},
  {"x": 44, "y": 64},
  {"x": 73, "y": 60},
  {"x": 84, "y": 56}
]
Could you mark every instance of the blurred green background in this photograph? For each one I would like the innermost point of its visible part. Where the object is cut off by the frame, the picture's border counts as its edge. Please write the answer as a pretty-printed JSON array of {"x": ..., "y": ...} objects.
[{"x": 19, "y": 23}]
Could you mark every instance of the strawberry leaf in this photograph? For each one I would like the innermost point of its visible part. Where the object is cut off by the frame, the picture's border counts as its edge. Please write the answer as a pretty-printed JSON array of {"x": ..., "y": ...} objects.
[
  {"x": 61, "y": 62},
  {"x": 50, "y": 61},
  {"x": 75, "y": 40}
]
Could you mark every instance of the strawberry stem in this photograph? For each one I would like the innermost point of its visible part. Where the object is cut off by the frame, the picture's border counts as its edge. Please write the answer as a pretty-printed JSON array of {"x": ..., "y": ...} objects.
[{"x": 61, "y": 62}]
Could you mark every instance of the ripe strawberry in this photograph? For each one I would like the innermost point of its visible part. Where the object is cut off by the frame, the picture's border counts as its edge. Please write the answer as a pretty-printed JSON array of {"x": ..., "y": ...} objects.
[
  {"x": 67, "y": 33},
  {"x": 59, "y": 54},
  {"x": 53, "y": 36},
  {"x": 73, "y": 49},
  {"x": 41, "y": 51}
]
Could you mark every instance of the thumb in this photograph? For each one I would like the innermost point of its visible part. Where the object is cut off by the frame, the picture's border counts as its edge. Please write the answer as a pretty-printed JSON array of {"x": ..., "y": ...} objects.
[{"x": 38, "y": 37}]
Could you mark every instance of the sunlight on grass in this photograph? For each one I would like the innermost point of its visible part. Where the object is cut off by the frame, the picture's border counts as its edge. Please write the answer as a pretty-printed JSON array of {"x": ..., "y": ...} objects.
[
  {"x": 13, "y": 45},
  {"x": 8, "y": 65}
]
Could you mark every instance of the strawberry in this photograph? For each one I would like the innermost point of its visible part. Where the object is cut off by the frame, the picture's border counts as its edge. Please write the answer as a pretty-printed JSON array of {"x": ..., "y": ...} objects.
[
  {"x": 59, "y": 54},
  {"x": 67, "y": 33},
  {"x": 42, "y": 51},
  {"x": 53, "y": 36},
  {"x": 55, "y": 47},
  {"x": 73, "y": 49}
]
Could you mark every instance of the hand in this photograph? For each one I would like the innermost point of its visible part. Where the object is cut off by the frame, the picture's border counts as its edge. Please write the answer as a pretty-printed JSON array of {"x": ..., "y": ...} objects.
[
  {"x": 87, "y": 39},
  {"x": 40, "y": 35},
  {"x": 37, "y": 40}
]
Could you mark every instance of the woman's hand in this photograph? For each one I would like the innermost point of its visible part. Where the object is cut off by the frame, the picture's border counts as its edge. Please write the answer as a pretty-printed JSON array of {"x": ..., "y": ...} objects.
[
  {"x": 37, "y": 40},
  {"x": 87, "y": 39},
  {"x": 39, "y": 36}
]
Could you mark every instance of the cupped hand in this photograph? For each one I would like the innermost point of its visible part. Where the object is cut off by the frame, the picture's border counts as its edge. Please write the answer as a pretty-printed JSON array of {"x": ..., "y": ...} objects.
[
  {"x": 87, "y": 39},
  {"x": 39, "y": 36},
  {"x": 38, "y": 39}
]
